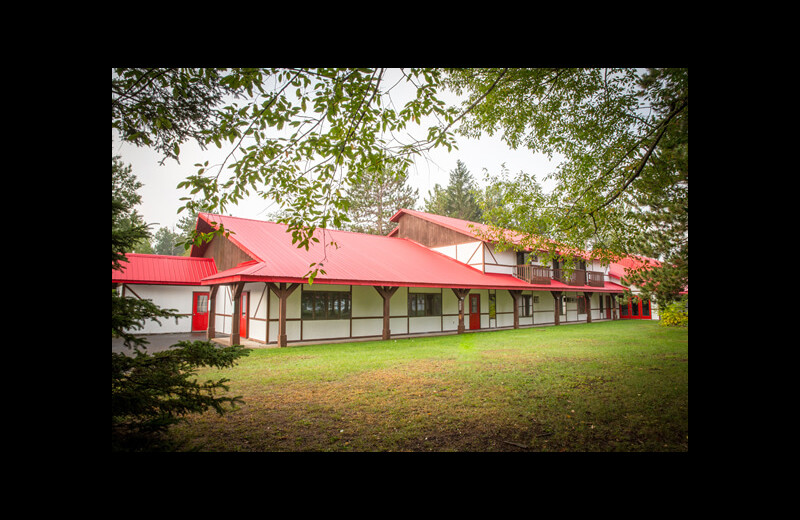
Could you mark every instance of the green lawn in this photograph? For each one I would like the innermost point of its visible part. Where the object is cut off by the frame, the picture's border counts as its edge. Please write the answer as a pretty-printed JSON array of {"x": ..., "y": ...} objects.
[{"x": 609, "y": 386}]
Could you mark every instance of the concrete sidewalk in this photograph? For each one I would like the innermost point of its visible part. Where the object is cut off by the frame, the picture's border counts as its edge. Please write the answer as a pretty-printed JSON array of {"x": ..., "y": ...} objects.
[{"x": 158, "y": 342}]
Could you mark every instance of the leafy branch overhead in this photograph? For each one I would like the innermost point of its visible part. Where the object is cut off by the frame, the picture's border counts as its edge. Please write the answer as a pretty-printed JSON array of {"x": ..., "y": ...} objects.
[
  {"x": 622, "y": 137},
  {"x": 297, "y": 136},
  {"x": 301, "y": 137}
]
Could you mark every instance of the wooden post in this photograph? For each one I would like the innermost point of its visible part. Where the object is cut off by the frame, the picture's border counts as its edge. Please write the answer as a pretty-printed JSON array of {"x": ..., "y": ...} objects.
[
  {"x": 460, "y": 294},
  {"x": 386, "y": 293},
  {"x": 212, "y": 312},
  {"x": 515, "y": 297},
  {"x": 588, "y": 296},
  {"x": 283, "y": 294},
  {"x": 237, "y": 318},
  {"x": 557, "y": 298}
]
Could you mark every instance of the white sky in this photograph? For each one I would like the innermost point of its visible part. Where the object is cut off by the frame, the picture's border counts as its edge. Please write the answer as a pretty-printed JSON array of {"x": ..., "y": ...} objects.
[{"x": 160, "y": 195}]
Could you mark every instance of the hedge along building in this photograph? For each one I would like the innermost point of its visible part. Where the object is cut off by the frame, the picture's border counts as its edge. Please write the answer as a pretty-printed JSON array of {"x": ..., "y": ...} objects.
[{"x": 429, "y": 275}]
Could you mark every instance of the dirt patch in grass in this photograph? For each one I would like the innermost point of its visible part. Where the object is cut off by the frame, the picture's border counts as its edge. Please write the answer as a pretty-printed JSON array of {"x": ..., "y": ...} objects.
[
  {"x": 465, "y": 398},
  {"x": 418, "y": 406}
]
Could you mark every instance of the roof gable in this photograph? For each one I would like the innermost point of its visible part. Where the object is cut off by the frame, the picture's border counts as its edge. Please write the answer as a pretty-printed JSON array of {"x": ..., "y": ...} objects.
[{"x": 356, "y": 258}]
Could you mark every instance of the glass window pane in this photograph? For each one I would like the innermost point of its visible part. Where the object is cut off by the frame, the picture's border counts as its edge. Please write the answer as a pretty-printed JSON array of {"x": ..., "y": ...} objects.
[
  {"x": 307, "y": 306},
  {"x": 346, "y": 306},
  {"x": 320, "y": 306}
]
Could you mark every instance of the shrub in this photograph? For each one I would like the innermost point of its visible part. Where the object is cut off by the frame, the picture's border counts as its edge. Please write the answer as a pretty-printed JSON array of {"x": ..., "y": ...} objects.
[{"x": 676, "y": 314}]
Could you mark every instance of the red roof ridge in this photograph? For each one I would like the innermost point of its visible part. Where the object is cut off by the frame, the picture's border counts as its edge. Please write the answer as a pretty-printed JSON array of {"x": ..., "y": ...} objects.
[{"x": 156, "y": 256}]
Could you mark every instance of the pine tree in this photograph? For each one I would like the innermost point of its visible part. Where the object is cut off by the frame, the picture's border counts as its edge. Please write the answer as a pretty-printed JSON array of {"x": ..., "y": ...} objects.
[
  {"x": 460, "y": 199},
  {"x": 378, "y": 196},
  {"x": 149, "y": 392},
  {"x": 166, "y": 242}
]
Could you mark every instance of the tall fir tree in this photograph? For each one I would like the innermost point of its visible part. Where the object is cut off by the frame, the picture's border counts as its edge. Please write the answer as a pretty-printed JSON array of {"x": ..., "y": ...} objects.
[
  {"x": 150, "y": 392},
  {"x": 378, "y": 196},
  {"x": 461, "y": 198}
]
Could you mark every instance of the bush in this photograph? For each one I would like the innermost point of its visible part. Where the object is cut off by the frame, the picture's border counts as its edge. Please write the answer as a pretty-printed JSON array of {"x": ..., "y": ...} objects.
[
  {"x": 150, "y": 392},
  {"x": 676, "y": 314}
]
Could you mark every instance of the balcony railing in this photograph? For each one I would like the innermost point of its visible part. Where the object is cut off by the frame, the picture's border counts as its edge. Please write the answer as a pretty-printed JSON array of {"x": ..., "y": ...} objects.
[
  {"x": 533, "y": 274},
  {"x": 542, "y": 275}
]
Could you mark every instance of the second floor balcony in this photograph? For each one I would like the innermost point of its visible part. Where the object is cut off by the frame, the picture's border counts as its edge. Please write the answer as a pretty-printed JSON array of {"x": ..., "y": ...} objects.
[{"x": 535, "y": 274}]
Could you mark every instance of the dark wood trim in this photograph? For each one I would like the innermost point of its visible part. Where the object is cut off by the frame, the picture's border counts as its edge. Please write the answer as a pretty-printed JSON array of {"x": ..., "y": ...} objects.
[
  {"x": 283, "y": 294},
  {"x": 515, "y": 301},
  {"x": 492, "y": 255},
  {"x": 302, "y": 289},
  {"x": 473, "y": 254},
  {"x": 588, "y": 299},
  {"x": 212, "y": 312},
  {"x": 386, "y": 293},
  {"x": 460, "y": 294},
  {"x": 269, "y": 297},
  {"x": 236, "y": 318},
  {"x": 557, "y": 311}
]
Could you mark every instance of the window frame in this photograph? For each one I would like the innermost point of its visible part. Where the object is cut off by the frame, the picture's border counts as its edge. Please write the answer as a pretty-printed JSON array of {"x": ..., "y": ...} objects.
[
  {"x": 525, "y": 309},
  {"x": 431, "y": 303},
  {"x": 332, "y": 305}
]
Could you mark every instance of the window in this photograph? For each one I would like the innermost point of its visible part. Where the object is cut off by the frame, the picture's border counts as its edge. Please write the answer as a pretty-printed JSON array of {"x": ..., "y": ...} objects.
[
  {"x": 424, "y": 304},
  {"x": 325, "y": 305},
  {"x": 526, "y": 258},
  {"x": 581, "y": 305},
  {"x": 525, "y": 305},
  {"x": 202, "y": 304},
  {"x": 645, "y": 307},
  {"x": 493, "y": 306}
]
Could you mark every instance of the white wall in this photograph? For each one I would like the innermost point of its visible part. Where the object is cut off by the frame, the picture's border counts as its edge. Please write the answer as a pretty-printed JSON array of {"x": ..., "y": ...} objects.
[
  {"x": 178, "y": 297},
  {"x": 367, "y": 312}
]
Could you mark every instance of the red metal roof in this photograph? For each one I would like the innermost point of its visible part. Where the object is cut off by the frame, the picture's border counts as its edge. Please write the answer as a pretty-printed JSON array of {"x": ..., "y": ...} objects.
[
  {"x": 618, "y": 268},
  {"x": 164, "y": 270},
  {"x": 357, "y": 259}
]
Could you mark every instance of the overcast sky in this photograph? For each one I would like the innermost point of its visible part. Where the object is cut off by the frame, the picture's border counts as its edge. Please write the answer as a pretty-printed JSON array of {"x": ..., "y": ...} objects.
[{"x": 160, "y": 196}]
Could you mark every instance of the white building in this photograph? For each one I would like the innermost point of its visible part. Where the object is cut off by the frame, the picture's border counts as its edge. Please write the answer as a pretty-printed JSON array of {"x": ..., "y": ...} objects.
[{"x": 431, "y": 274}]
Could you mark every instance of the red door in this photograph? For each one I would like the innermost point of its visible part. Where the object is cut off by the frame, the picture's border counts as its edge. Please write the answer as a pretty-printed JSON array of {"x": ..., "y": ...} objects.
[
  {"x": 636, "y": 310},
  {"x": 199, "y": 311},
  {"x": 244, "y": 304},
  {"x": 474, "y": 311}
]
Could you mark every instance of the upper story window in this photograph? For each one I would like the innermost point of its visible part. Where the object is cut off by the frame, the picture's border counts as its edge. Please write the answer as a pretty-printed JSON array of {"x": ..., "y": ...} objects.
[{"x": 524, "y": 257}]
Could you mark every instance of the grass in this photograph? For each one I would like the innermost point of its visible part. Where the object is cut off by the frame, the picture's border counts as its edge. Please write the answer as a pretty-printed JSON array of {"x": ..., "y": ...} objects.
[{"x": 608, "y": 386}]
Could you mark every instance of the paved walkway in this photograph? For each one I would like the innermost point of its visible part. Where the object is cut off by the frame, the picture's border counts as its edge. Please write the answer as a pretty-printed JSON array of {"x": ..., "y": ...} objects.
[{"x": 159, "y": 342}]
